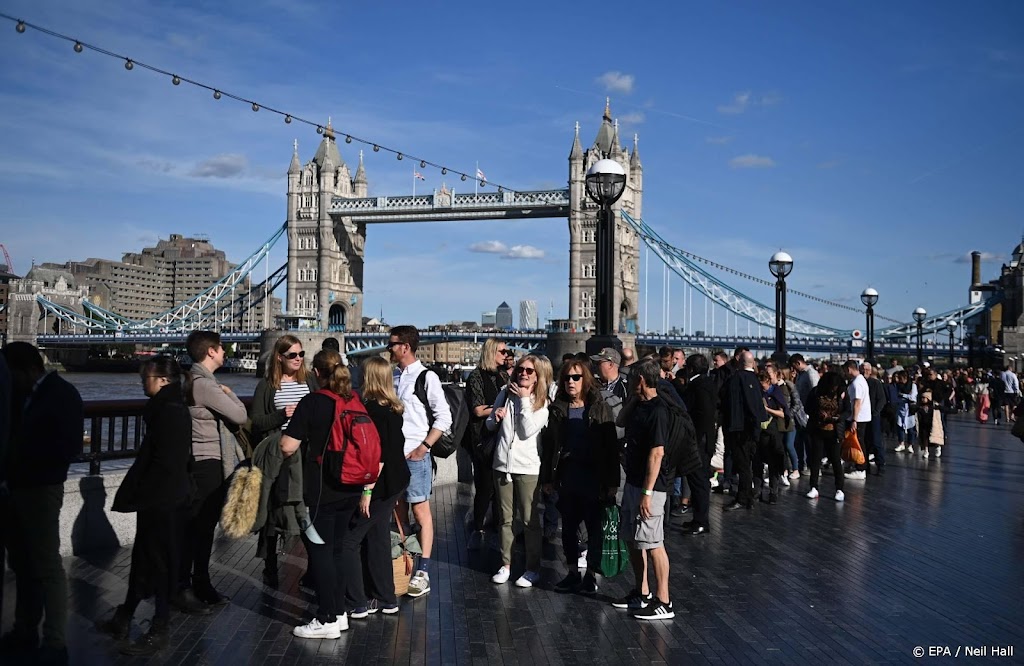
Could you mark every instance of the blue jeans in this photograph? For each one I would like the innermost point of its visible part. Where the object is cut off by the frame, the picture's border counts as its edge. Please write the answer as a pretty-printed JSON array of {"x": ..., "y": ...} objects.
[
  {"x": 803, "y": 448},
  {"x": 789, "y": 439},
  {"x": 421, "y": 477}
]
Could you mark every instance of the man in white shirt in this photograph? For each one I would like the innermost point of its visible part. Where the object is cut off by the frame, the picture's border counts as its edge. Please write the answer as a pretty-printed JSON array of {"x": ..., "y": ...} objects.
[
  {"x": 421, "y": 430},
  {"x": 860, "y": 411},
  {"x": 1011, "y": 389}
]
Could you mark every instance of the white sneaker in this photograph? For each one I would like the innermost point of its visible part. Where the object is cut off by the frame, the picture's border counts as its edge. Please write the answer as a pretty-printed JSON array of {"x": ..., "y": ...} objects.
[
  {"x": 501, "y": 577},
  {"x": 924, "y": 454},
  {"x": 528, "y": 579},
  {"x": 419, "y": 585},
  {"x": 938, "y": 452},
  {"x": 581, "y": 562},
  {"x": 812, "y": 493},
  {"x": 714, "y": 481},
  {"x": 901, "y": 448},
  {"x": 840, "y": 496},
  {"x": 871, "y": 457},
  {"x": 795, "y": 474},
  {"x": 856, "y": 475},
  {"x": 317, "y": 629},
  {"x": 910, "y": 450},
  {"x": 785, "y": 480}
]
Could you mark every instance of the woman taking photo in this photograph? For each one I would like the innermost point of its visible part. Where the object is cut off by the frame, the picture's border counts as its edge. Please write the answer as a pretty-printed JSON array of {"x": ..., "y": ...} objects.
[
  {"x": 372, "y": 525},
  {"x": 273, "y": 403},
  {"x": 580, "y": 463},
  {"x": 157, "y": 487},
  {"x": 520, "y": 412},
  {"x": 332, "y": 505},
  {"x": 482, "y": 388},
  {"x": 824, "y": 409}
]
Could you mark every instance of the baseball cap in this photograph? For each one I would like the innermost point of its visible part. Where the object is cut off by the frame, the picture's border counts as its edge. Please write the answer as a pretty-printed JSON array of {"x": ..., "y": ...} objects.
[{"x": 607, "y": 354}]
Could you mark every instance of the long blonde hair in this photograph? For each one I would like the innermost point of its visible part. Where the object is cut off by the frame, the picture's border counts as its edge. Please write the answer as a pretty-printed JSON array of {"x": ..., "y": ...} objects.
[
  {"x": 487, "y": 354},
  {"x": 542, "y": 366},
  {"x": 332, "y": 374},
  {"x": 274, "y": 369},
  {"x": 379, "y": 386}
]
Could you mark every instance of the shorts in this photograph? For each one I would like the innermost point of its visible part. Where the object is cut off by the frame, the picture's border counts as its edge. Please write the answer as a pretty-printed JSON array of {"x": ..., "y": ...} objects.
[
  {"x": 642, "y": 533},
  {"x": 421, "y": 479}
]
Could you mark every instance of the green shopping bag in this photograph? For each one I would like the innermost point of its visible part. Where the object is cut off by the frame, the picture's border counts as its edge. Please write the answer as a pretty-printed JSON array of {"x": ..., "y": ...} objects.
[{"x": 614, "y": 556}]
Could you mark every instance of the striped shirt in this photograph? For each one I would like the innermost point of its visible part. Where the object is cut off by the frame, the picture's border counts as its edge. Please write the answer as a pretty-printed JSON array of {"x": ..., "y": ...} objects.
[{"x": 289, "y": 394}]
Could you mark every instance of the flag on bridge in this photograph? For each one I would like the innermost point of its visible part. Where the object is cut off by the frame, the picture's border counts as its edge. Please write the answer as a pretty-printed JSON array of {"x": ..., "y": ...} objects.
[{"x": 480, "y": 176}]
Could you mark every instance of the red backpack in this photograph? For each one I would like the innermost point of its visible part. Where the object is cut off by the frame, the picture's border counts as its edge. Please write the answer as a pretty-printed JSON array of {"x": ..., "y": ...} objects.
[{"x": 352, "y": 453}]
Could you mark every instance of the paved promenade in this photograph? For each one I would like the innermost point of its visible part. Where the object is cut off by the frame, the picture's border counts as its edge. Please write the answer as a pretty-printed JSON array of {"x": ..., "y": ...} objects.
[{"x": 928, "y": 555}]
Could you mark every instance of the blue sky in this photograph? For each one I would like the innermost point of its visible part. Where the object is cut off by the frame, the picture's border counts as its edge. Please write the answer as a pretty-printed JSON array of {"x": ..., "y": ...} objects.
[{"x": 878, "y": 143}]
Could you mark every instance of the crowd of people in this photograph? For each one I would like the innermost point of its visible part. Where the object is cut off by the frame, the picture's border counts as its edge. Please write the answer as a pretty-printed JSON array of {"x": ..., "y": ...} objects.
[{"x": 656, "y": 437}]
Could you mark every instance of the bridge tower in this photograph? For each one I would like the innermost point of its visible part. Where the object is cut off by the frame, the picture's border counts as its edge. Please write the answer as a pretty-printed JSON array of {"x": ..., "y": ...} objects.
[
  {"x": 325, "y": 256},
  {"x": 583, "y": 229}
]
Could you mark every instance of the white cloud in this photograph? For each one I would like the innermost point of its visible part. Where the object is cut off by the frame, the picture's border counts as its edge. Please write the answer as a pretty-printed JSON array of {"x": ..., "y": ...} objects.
[
  {"x": 718, "y": 140},
  {"x": 740, "y": 102},
  {"x": 615, "y": 81},
  {"x": 524, "y": 252},
  {"x": 751, "y": 161},
  {"x": 633, "y": 118},
  {"x": 746, "y": 99},
  {"x": 225, "y": 165},
  {"x": 491, "y": 247}
]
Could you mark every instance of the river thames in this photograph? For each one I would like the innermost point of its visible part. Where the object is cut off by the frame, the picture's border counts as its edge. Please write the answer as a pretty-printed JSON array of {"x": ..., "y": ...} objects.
[{"x": 128, "y": 385}]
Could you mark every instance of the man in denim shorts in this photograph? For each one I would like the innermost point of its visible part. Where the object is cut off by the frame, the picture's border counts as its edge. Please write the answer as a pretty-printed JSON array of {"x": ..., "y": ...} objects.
[
  {"x": 642, "y": 523},
  {"x": 421, "y": 432}
]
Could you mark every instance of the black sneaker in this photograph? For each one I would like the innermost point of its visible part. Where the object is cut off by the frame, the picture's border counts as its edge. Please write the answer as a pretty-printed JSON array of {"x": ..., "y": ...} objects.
[
  {"x": 569, "y": 583},
  {"x": 695, "y": 530},
  {"x": 656, "y": 611},
  {"x": 680, "y": 510},
  {"x": 633, "y": 601},
  {"x": 588, "y": 585}
]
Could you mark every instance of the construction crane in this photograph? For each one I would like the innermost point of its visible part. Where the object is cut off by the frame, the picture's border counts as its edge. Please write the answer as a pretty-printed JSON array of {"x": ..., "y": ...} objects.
[{"x": 7, "y": 259}]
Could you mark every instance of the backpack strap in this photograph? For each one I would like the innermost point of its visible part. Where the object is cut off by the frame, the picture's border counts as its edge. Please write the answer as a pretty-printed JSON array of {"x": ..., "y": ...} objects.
[{"x": 420, "y": 391}]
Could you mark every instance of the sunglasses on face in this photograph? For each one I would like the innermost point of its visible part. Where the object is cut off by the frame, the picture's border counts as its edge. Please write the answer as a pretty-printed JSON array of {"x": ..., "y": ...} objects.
[
  {"x": 394, "y": 343},
  {"x": 525, "y": 371},
  {"x": 505, "y": 352},
  {"x": 291, "y": 356},
  {"x": 574, "y": 378}
]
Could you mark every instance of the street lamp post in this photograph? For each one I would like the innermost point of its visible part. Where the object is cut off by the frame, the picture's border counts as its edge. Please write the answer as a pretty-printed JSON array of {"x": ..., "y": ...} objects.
[
  {"x": 920, "y": 314},
  {"x": 951, "y": 326},
  {"x": 781, "y": 265},
  {"x": 605, "y": 182},
  {"x": 869, "y": 297}
]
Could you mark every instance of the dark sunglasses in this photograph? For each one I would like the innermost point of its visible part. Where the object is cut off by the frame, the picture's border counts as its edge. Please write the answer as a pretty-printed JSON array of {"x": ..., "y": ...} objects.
[
  {"x": 506, "y": 352},
  {"x": 574, "y": 378},
  {"x": 394, "y": 343},
  {"x": 523, "y": 370},
  {"x": 294, "y": 355}
]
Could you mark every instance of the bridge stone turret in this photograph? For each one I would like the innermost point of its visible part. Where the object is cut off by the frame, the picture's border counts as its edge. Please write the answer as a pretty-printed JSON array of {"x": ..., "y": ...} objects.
[
  {"x": 583, "y": 230},
  {"x": 325, "y": 253}
]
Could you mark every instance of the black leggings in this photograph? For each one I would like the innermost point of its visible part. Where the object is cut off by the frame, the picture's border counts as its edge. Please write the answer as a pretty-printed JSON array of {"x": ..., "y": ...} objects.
[
  {"x": 825, "y": 443},
  {"x": 367, "y": 554},
  {"x": 576, "y": 509},
  {"x": 197, "y": 544},
  {"x": 483, "y": 496}
]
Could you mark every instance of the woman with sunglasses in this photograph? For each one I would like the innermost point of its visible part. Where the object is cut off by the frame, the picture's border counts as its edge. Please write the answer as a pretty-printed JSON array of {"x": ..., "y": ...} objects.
[
  {"x": 519, "y": 414},
  {"x": 482, "y": 388},
  {"x": 581, "y": 462},
  {"x": 273, "y": 403},
  {"x": 157, "y": 488}
]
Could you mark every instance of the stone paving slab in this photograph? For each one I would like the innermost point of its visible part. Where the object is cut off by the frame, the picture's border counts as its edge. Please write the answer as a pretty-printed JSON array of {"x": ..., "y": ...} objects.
[{"x": 927, "y": 555}]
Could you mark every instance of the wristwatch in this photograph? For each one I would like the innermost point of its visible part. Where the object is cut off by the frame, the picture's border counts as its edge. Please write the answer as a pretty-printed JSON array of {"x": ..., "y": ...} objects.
[{"x": 429, "y": 446}]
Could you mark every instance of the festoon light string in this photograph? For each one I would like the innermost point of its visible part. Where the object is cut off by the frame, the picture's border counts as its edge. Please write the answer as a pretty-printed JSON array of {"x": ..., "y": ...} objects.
[{"x": 79, "y": 46}]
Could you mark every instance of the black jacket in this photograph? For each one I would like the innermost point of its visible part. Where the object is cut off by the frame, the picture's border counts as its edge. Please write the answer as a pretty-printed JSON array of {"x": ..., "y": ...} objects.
[
  {"x": 742, "y": 403},
  {"x": 701, "y": 398},
  {"x": 876, "y": 393},
  {"x": 394, "y": 477},
  {"x": 159, "y": 476},
  {"x": 46, "y": 434},
  {"x": 601, "y": 430}
]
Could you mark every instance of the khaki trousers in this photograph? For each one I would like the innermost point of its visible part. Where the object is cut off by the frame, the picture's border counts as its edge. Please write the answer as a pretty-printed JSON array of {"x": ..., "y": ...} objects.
[{"x": 518, "y": 500}]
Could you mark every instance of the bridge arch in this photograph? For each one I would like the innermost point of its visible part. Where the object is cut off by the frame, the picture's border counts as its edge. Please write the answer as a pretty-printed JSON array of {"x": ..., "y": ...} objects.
[{"x": 337, "y": 317}]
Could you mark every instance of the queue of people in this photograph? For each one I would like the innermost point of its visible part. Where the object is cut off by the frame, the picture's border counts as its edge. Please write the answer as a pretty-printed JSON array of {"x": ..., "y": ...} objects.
[{"x": 545, "y": 449}]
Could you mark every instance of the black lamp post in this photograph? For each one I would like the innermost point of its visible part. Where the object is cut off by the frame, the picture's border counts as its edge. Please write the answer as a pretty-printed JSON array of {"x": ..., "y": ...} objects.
[
  {"x": 920, "y": 314},
  {"x": 605, "y": 181},
  {"x": 781, "y": 264},
  {"x": 869, "y": 297},
  {"x": 951, "y": 326}
]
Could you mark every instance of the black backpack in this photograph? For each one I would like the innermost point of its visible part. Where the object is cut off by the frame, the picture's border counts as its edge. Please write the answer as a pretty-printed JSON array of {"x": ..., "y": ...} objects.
[
  {"x": 681, "y": 454},
  {"x": 456, "y": 399}
]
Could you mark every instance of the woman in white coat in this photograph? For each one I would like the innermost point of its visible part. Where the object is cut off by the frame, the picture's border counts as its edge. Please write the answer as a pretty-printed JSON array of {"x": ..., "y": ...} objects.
[{"x": 520, "y": 413}]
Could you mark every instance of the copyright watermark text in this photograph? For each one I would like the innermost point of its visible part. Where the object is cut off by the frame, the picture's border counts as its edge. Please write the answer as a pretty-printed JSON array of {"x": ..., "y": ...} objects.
[{"x": 963, "y": 651}]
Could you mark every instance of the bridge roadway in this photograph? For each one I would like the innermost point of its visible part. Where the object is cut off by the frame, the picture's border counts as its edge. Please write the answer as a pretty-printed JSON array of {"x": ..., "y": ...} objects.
[
  {"x": 927, "y": 555},
  {"x": 356, "y": 343}
]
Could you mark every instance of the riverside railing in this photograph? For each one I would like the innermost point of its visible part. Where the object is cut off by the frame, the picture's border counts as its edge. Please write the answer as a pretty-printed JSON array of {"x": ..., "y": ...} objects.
[{"x": 114, "y": 430}]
